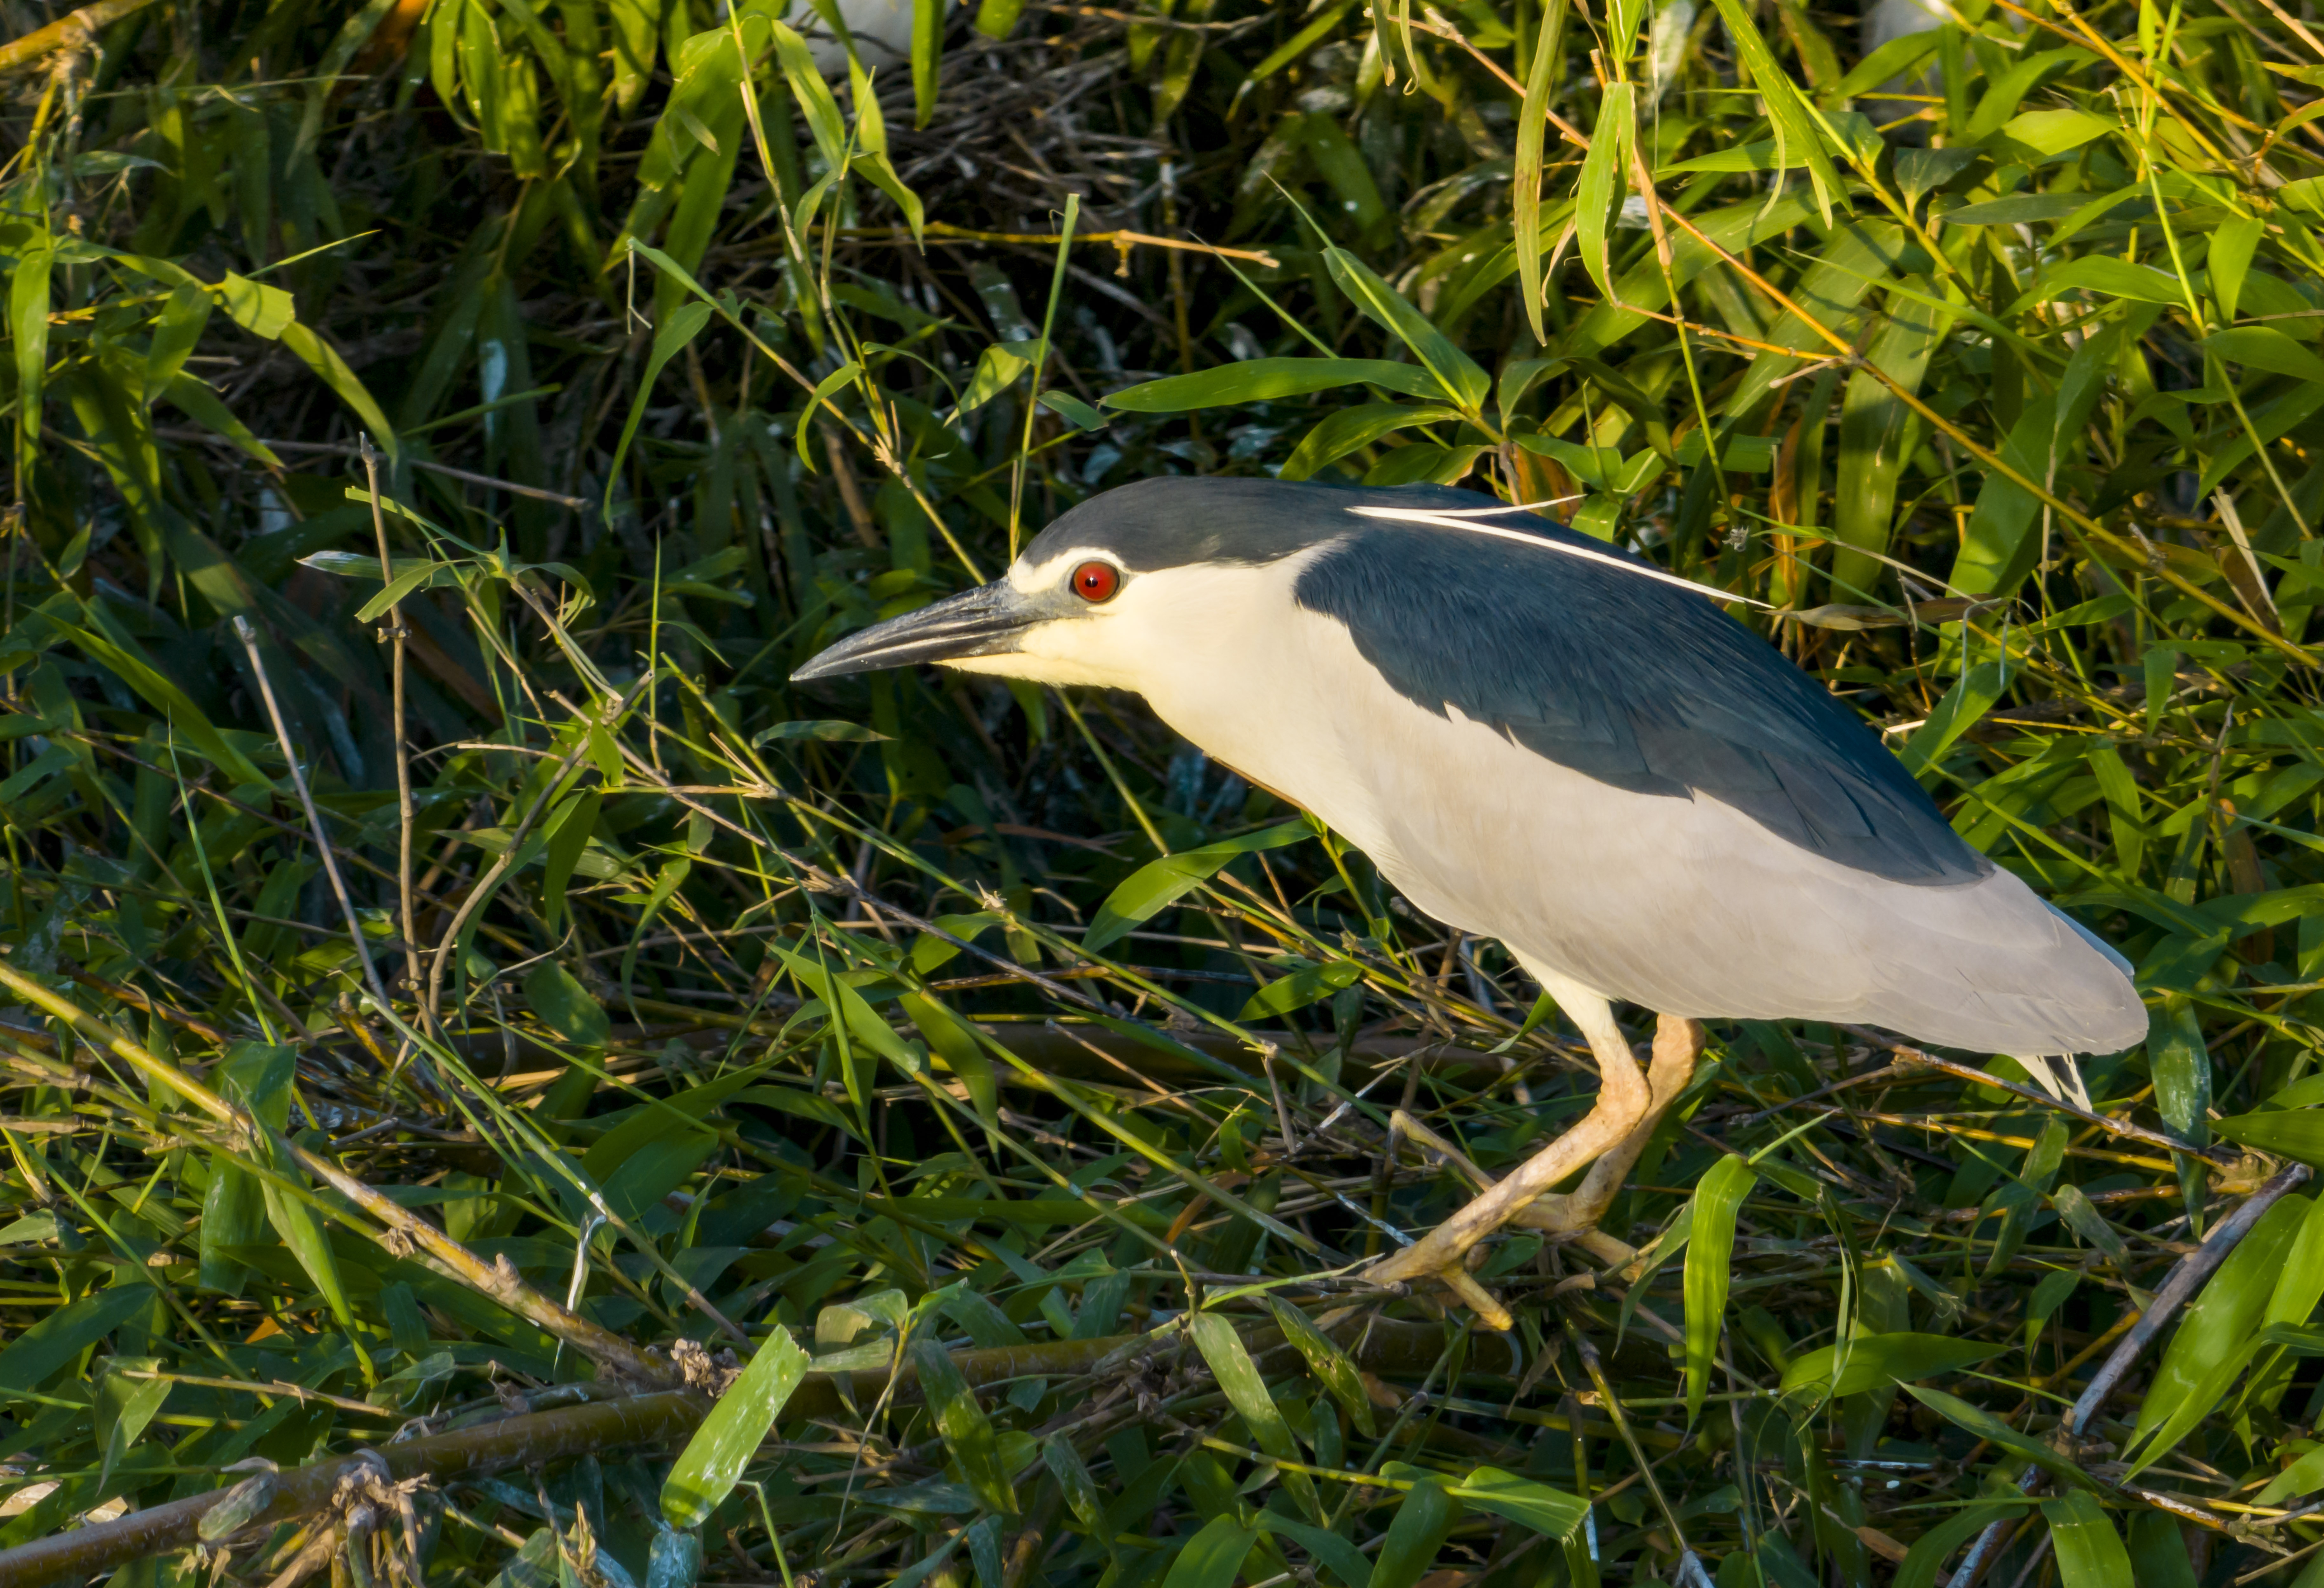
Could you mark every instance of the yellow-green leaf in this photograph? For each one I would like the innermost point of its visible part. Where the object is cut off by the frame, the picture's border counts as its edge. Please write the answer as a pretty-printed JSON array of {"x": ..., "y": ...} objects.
[{"x": 706, "y": 1469}]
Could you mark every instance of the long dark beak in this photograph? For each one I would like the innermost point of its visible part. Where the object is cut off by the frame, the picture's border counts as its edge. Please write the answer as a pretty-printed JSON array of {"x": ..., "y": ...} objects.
[{"x": 983, "y": 622}]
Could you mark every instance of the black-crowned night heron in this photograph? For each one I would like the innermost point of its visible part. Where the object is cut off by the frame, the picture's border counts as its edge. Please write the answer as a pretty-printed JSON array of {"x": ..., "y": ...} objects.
[{"x": 1540, "y": 738}]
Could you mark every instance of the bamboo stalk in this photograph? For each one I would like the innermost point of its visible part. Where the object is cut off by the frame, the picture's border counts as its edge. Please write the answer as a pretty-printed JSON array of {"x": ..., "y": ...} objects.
[
  {"x": 663, "y": 1418},
  {"x": 75, "y": 32}
]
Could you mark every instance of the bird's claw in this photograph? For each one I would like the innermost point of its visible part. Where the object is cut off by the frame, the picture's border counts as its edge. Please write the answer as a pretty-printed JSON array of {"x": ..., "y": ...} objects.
[{"x": 1608, "y": 1140}]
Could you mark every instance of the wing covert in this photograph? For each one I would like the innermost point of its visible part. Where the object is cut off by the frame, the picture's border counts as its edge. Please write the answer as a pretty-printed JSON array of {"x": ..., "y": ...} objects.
[{"x": 1624, "y": 679}]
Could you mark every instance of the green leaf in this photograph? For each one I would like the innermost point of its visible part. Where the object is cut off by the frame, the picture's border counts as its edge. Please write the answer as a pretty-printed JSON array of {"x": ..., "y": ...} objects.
[
  {"x": 568, "y": 832},
  {"x": 1526, "y": 1501},
  {"x": 203, "y": 406},
  {"x": 257, "y": 307},
  {"x": 2267, "y": 348},
  {"x": 683, "y": 324},
  {"x": 32, "y": 1226},
  {"x": 2180, "y": 1062},
  {"x": 2053, "y": 132},
  {"x": 1073, "y": 411},
  {"x": 2158, "y": 1552},
  {"x": 967, "y": 1433},
  {"x": 323, "y": 359},
  {"x": 2082, "y": 1216},
  {"x": 674, "y": 1117},
  {"x": 706, "y": 1470},
  {"x": 1987, "y": 1426},
  {"x": 1329, "y": 1363},
  {"x": 1710, "y": 1244},
  {"x": 1212, "y": 1557},
  {"x": 2301, "y": 1283},
  {"x": 862, "y": 1020},
  {"x": 1345, "y": 432},
  {"x": 951, "y": 1040},
  {"x": 125, "y": 1406},
  {"x": 1335, "y": 1554},
  {"x": 1261, "y": 380},
  {"x": 805, "y": 76},
  {"x": 1457, "y": 374},
  {"x": 1417, "y": 1530},
  {"x": 1525, "y": 197},
  {"x": 1795, "y": 122},
  {"x": 1246, "y": 1392},
  {"x": 1926, "y": 1559},
  {"x": 2211, "y": 1344},
  {"x": 176, "y": 706},
  {"x": 28, "y": 328},
  {"x": 998, "y": 368},
  {"x": 1767, "y": 155},
  {"x": 410, "y": 577},
  {"x": 1890, "y": 61},
  {"x": 1073, "y": 1475},
  {"x": 1155, "y": 886},
  {"x": 829, "y": 733},
  {"x": 2089, "y": 1552},
  {"x": 565, "y": 1006},
  {"x": 2229, "y": 260},
  {"x": 1874, "y": 1360},
  {"x": 2111, "y": 278},
  {"x": 2022, "y": 209},
  {"x": 2302, "y": 1477},
  {"x": 1605, "y": 178},
  {"x": 928, "y": 45},
  {"x": 1312, "y": 984},
  {"x": 41, "y": 1350},
  {"x": 302, "y": 1233}
]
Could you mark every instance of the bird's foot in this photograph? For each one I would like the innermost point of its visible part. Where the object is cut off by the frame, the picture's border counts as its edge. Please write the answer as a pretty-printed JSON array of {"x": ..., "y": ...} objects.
[{"x": 1609, "y": 1139}]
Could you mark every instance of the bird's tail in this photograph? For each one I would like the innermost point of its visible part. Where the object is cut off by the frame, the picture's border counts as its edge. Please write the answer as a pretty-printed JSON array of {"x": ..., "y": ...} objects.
[{"x": 2058, "y": 1075}]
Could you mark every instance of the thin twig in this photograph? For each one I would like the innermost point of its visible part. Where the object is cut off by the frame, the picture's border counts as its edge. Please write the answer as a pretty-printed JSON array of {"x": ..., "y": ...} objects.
[
  {"x": 405, "y": 810},
  {"x": 2185, "y": 1279},
  {"x": 2112, "y": 1127},
  {"x": 307, "y": 801},
  {"x": 337, "y": 449}
]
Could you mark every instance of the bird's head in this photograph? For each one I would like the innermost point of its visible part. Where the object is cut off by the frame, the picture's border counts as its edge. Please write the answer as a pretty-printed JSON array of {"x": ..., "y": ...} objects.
[{"x": 1121, "y": 585}]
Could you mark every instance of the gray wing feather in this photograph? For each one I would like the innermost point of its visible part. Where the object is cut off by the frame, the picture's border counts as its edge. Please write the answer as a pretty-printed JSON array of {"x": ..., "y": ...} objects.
[{"x": 1635, "y": 684}]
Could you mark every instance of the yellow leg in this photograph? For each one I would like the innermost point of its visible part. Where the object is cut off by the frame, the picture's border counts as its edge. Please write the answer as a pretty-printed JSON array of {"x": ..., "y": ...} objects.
[
  {"x": 1624, "y": 1101},
  {"x": 1678, "y": 1044}
]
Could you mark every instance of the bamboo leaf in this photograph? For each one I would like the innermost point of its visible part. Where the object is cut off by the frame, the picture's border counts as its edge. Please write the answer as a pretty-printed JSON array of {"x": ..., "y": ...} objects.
[
  {"x": 1526, "y": 1501},
  {"x": 1605, "y": 177},
  {"x": 706, "y": 1470},
  {"x": 1259, "y": 380},
  {"x": 1874, "y": 1360},
  {"x": 1212, "y": 1557},
  {"x": 2213, "y": 1340},
  {"x": 1457, "y": 374},
  {"x": 1237, "y": 1375},
  {"x": 967, "y": 1433},
  {"x": 2089, "y": 1552},
  {"x": 1417, "y": 1530},
  {"x": 1329, "y": 1363},
  {"x": 1158, "y": 884},
  {"x": 1709, "y": 1245}
]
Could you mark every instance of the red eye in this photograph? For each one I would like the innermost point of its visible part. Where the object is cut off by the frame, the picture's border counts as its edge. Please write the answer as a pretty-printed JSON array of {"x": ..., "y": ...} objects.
[{"x": 1096, "y": 582}]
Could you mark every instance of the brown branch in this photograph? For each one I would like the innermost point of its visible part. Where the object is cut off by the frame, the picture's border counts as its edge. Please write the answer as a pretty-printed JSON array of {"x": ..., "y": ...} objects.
[{"x": 664, "y": 1417}]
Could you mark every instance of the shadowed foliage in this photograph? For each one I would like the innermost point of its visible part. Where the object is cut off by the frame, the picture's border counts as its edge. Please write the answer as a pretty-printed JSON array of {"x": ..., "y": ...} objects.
[{"x": 450, "y": 973}]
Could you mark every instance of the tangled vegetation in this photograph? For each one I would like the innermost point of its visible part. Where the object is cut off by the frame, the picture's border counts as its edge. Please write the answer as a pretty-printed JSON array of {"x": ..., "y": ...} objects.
[{"x": 464, "y": 1005}]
